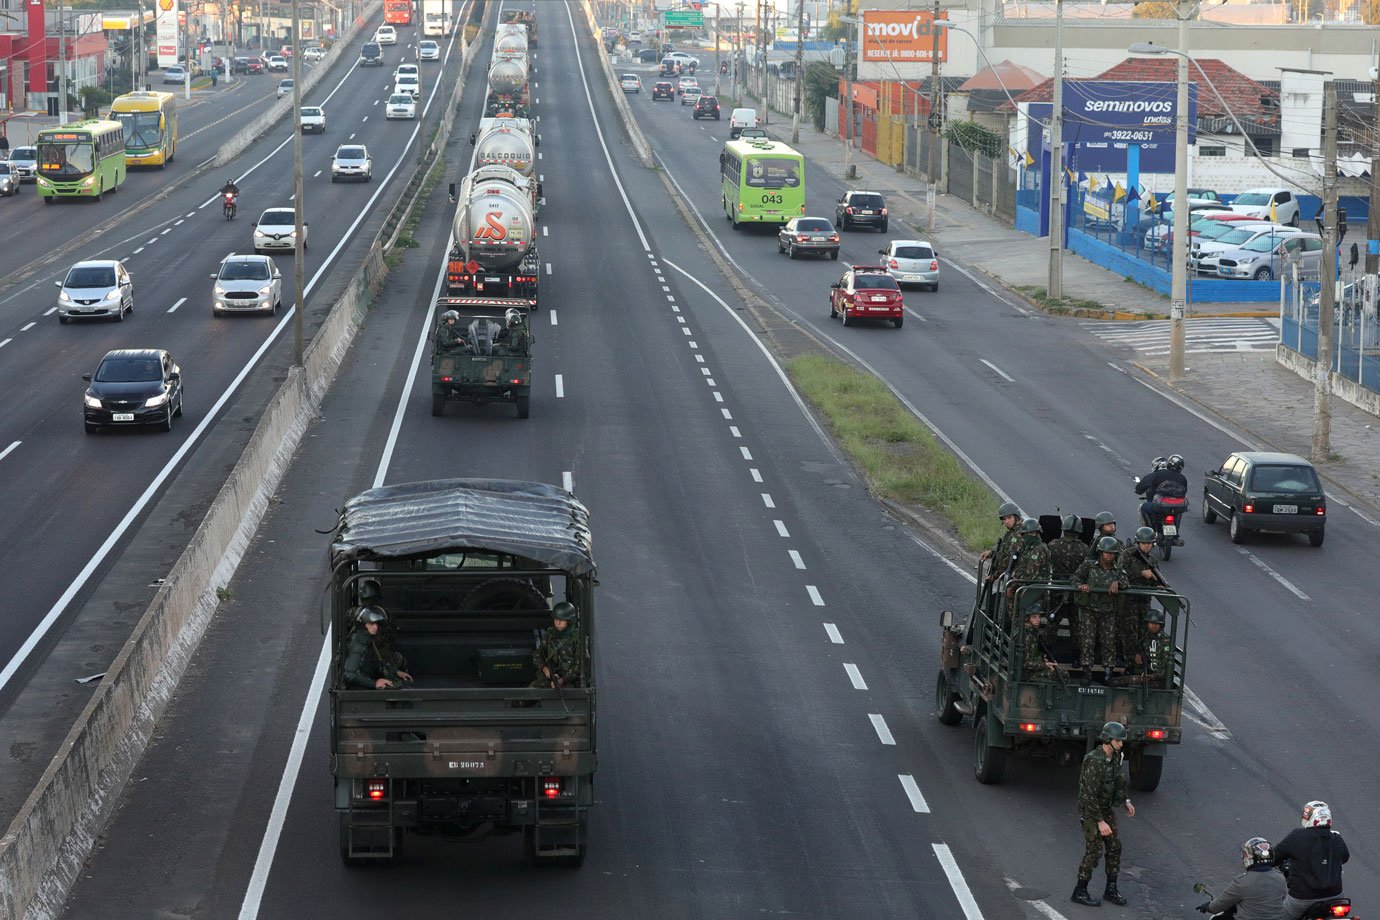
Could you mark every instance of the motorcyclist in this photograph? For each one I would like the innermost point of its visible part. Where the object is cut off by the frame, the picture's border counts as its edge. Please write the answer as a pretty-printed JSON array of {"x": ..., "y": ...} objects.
[
  {"x": 1152, "y": 485},
  {"x": 230, "y": 188},
  {"x": 1314, "y": 853},
  {"x": 230, "y": 194},
  {"x": 1255, "y": 894}
]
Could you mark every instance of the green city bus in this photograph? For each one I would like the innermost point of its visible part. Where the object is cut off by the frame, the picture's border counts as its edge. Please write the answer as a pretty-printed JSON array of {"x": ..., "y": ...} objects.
[
  {"x": 150, "y": 121},
  {"x": 763, "y": 181},
  {"x": 83, "y": 159}
]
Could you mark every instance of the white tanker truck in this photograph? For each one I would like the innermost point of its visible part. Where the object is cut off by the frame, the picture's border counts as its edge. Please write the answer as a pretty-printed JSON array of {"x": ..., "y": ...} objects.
[
  {"x": 508, "y": 94},
  {"x": 494, "y": 261}
]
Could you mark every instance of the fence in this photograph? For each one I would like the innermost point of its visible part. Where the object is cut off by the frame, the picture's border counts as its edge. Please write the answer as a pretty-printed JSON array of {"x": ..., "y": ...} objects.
[{"x": 1356, "y": 353}]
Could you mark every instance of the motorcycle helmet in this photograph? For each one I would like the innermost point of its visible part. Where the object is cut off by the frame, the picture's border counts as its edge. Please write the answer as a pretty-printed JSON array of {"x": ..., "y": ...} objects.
[
  {"x": 1008, "y": 509},
  {"x": 368, "y": 615},
  {"x": 1072, "y": 524},
  {"x": 1317, "y": 814},
  {"x": 1158, "y": 463},
  {"x": 1108, "y": 545},
  {"x": 1104, "y": 517},
  {"x": 1256, "y": 851},
  {"x": 1145, "y": 535},
  {"x": 1176, "y": 463},
  {"x": 1112, "y": 731}
]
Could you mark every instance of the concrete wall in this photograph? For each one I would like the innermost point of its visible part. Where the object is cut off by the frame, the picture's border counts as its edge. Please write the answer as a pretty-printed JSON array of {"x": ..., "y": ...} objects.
[{"x": 1348, "y": 390}]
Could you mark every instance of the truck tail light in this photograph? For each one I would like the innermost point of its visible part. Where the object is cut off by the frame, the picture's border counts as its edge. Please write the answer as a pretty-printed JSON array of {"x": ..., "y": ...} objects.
[
  {"x": 740, "y": 206},
  {"x": 375, "y": 789},
  {"x": 848, "y": 210},
  {"x": 1029, "y": 727},
  {"x": 1156, "y": 734},
  {"x": 551, "y": 787}
]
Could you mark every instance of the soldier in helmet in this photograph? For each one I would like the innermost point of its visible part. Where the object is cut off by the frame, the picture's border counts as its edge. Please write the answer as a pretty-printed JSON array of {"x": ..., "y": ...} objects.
[
  {"x": 1066, "y": 554},
  {"x": 1104, "y": 526},
  {"x": 1098, "y": 582},
  {"x": 370, "y": 594},
  {"x": 1101, "y": 790},
  {"x": 1138, "y": 570},
  {"x": 513, "y": 336},
  {"x": 1036, "y": 663},
  {"x": 1029, "y": 559},
  {"x": 1154, "y": 655},
  {"x": 371, "y": 663},
  {"x": 450, "y": 335},
  {"x": 1010, "y": 516},
  {"x": 558, "y": 654}
]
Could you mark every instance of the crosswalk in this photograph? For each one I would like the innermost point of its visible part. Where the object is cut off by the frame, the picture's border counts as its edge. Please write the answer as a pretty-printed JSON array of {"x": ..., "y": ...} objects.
[{"x": 1208, "y": 334}]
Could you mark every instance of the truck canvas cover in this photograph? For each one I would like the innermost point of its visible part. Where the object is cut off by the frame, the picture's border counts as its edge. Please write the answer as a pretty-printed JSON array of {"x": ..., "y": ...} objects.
[{"x": 535, "y": 521}]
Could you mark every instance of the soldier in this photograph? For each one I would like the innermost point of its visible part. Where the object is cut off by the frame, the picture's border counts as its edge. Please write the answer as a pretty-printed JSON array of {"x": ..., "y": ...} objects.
[
  {"x": 1105, "y": 526},
  {"x": 1155, "y": 651},
  {"x": 1097, "y": 608},
  {"x": 449, "y": 335},
  {"x": 1010, "y": 516},
  {"x": 1138, "y": 570},
  {"x": 1101, "y": 789},
  {"x": 1066, "y": 554},
  {"x": 1036, "y": 666},
  {"x": 1029, "y": 559},
  {"x": 514, "y": 334},
  {"x": 558, "y": 654},
  {"x": 371, "y": 663}
]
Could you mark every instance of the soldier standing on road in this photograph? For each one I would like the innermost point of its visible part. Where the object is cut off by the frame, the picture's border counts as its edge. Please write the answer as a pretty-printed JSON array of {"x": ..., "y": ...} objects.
[
  {"x": 1097, "y": 608},
  {"x": 1154, "y": 651},
  {"x": 1036, "y": 666},
  {"x": 371, "y": 663},
  {"x": 1138, "y": 570},
  {"x": 1101, "y": 790},
  {"x": 1105, "y": 526},
  {"x": 558, "y": 654}
]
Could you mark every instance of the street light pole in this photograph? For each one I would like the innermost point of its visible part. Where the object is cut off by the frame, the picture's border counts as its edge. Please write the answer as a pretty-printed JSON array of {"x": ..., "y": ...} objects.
[
  {"x": 299, "y": 224},
  {"x": 62, "y": 65},
  {"x": 1327, "y": 303},
  {"x": 799, "y": 68},
  {"x": 1054, "y": 288},
  {"x": 1178, "y": 285}
]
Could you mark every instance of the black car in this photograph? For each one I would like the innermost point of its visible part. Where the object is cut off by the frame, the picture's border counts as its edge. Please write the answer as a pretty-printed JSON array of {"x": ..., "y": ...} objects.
[
  {"x": 705, "y": 107},
  {"x": 648, "y": 56},
  {"x": 861, "y": 209},
  {"x": 1259, "y": 491},
  {"x": 133, "y": 386},
  {"x": 663, "y": 89},
  {"x": 371, "y": 55}
]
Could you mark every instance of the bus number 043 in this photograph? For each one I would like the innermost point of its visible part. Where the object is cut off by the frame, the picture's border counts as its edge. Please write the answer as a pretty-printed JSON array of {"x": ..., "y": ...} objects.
[{"x": 772, "y": 199}]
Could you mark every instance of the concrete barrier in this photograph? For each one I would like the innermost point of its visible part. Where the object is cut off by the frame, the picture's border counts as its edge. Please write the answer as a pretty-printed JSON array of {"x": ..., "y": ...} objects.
[
  {"x": 56, "y": 828},
  {"x": 639, "y": 140}
]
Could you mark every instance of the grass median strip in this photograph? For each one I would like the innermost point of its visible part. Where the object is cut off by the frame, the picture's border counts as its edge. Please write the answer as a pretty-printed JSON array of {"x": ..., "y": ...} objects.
[{"x": 899, "y": 456}]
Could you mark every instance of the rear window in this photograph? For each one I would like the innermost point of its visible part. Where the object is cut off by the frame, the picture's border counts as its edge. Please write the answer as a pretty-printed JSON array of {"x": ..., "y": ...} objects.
[
  {"x": 370, "y": 49},
  {"x": 1284, "y": 479},
  {"x": 90, "y": 276},
  {"x": 815, "y": 224},
  {"x": 914, "y": 252},
  {"x": 874, "y": 281},
  {"x": 866, "y": 201},
  {"x": 772, "y": 172},
  {"x": 310, "y": 111}
]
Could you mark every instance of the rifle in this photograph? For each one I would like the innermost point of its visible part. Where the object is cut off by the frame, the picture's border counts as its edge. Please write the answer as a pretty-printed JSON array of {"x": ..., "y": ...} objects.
[{"x": 1048, "y": 653}]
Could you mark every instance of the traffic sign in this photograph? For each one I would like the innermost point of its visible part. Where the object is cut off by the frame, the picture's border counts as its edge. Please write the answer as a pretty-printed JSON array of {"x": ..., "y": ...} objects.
[{"x": 690, "y": 19}]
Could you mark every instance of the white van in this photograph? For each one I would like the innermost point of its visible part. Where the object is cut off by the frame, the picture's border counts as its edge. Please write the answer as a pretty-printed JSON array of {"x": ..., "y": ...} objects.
[{"x": 740, "y": 119}]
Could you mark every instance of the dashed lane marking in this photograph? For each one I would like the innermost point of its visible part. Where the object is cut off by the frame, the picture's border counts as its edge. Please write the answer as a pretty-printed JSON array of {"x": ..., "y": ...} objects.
[
  {"x": 815, "y": 597},
  {"x": 781, "y": 529},
  {"x": 879, "y": 726},
  {"x": 8, "y": 450},
  {"x": 833, "y": 633},
  {"x": 1284, "y": 582},
  {"x": 560, "y": 386},
  {"x": 798, "y": 562},
  {"x": 768, "y": 500},
  {"x": 855, "y": 676},
  {"x": 173, "y": 308},
  {"x": 957, "y": 882},
  {"x": 917, "y": 801}
]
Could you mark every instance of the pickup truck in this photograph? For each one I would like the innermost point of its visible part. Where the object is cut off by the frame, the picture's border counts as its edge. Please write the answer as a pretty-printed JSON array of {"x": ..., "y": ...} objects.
[{"x": 313, "y": 119}]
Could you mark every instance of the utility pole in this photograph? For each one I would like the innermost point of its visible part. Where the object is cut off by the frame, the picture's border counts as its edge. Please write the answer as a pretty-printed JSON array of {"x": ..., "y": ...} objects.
[
  {"x": 850, "y": 172},
  {"x": 1373, "y": 220},
  {"x": 1327, "y": 294},
  {"x": 757, "y": 41},
  {"x": 1054, "y": 289},
  {"x": 934, "y": 120},
  {"x": 1178, "y": 289},
  {"x": 718, "y": 63},
  {"x": 799, "y": 68},
  {"x": 62, "y": 69},
  {"x": 299, "y": 224}
]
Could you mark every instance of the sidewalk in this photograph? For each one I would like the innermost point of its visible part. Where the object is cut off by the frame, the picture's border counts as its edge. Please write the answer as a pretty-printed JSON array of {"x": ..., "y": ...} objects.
[{"x": 1250, "y": 389}]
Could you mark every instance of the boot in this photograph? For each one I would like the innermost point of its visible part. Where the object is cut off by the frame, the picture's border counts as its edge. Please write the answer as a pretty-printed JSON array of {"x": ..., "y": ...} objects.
[
  {"x": 1111, "y": 894},
  {"x": 1081, "y": 896},
  {"x": 1087, "y": 680}
]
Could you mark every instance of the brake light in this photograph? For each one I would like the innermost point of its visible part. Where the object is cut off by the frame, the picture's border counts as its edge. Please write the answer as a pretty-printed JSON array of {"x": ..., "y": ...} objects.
[
  {"x": 1339, "y": 910},
  {"x": 801, "y": 238},
  {"x": 551, "y": 787},
  {"x": 1169, "y": 519},
  {"x": 376, "y": 789},
  {"x": 1029, "y": 727},
  {"x": 848, "y": 210},
  {"x": 893, "y": 264},
  {"x": 1322, "y": 510},
  {"x": 445, "y": 380},
  {"x": 1156, "y": 734},
  {"x": 934, "y": 265},
  {"x": 517, "y": 380},
  {"x": 1247, "y": 509}
]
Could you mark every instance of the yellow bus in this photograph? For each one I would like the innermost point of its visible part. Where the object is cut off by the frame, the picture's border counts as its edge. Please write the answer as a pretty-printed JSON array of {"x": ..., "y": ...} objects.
[{"x": 150, "y": 123}]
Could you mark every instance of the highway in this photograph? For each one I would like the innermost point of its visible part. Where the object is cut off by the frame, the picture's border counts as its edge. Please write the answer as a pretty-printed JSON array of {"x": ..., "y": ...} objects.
[{"x": 768, "y": 635}]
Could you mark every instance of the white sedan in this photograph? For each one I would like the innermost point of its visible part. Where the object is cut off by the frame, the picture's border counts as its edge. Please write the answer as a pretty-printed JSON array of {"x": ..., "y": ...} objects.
[
  {"x": 401, "y": 105},
  {"x": 428, "y": 51}
]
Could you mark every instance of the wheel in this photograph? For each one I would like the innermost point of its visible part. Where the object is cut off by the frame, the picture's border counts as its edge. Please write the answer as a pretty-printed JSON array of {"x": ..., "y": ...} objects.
[
  {"x": 898, "y": 321},
  {"x": 1294, "y": 221},
  {"x": 1238, "y": 532},
  {"x": 1166, "y": 548},
  {"x": 780, "y": 246},
  {"x": 63, "y": 320},
  {"x": 883, "y": 227},
  {"x": 48, "y": 200},
  {"x": 989, "y": 763},
  {"x": 847, "y": 320},
  {"x": 180, "y": 400},
  {"x": 791, "y": 251},
  {"x": 277, "y": 304},
  {"x": 1209, "y": 516},
  {"x": 832, "y": 312},
  {"x": 1315, "y": 537},
  {"x": 120, "y": 317},
  {"x": 524, "y": 406},
  {"x": 438, "y": 404},
  {"x": 1262, "y": 274},
  {"x": 334, "y": 178},
  {"x": 1146, "y": 770},
  {"x": 834, "y": 255},
  {"x": 935, "y": 287},
  {"x": 167, "y": 419},
  {"x": 944, "y": 699}
]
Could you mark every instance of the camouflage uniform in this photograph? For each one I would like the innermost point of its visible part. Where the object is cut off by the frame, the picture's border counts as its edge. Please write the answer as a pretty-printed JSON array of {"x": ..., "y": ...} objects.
[
  {"x": 450, "y": 338},
  {"x": 1031, "y": 564},
  {"x": 1001, "y": 553},
  {"x": 1131, "y": 617},
  {"x": 1156, "y": 653},
  {"x": 558, "y": 650},
  {"x": 370, "y": 657},
  {"x": 1033, "y": 656},
  {"x": 1101, "y": 790},
  {"x": 1096, "y": 612},
  {"x": 1066, "y": 554}
]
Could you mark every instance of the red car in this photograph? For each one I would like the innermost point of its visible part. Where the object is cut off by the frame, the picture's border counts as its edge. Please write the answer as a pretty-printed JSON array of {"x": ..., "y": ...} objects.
[{"x": 866, "y": 292}]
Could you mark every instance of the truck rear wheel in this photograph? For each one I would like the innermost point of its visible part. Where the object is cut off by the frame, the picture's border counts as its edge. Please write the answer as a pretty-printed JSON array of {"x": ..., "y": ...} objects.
[
  {"x": 944, "y": 700},
  {"x": 989, "y": 763},
  {"x": 1146, "y": 770}
]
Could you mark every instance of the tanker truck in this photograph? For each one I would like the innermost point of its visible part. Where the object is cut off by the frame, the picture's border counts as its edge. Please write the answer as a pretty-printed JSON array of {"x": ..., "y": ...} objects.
[
  {"x": 522, "y": 17},
  {"x": 494, "y": 262},
  {"x": 508, "y": 93},
  {"x": 510, "y": 43}
]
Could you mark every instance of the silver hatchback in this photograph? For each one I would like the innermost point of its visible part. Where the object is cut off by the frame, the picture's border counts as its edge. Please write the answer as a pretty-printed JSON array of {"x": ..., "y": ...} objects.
[
  {"x": 99, "y": 289},
  {"x": 247, "y": 284},
  {"x": 9, "y": 179},
  {"x": 912, "y": 262}
]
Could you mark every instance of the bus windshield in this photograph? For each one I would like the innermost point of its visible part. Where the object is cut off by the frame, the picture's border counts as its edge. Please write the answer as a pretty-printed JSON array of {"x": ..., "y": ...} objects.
[
  {"x": 142, "y": 129},
  {"x": 772, "y": 172},
  {"x": 65, "y": 160}
]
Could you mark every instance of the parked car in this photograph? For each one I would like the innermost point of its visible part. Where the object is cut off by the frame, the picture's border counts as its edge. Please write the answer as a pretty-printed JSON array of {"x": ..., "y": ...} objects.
[
  {"x": 705, "y": 107},
  {"x": 247, "y": 284},
  {"x": 276, "y": 229},
  {"x": 1208, "y": 224},
  {"x": 1257, "y": 202},
  {"x": 648, "y": 56},
  {"x": 400, "y": 105},
  {"x": 313, "y": 119},
  {"x": 133, "y": 386},
  {"x": 808, "y": 234},
  {"x": 630, "y": 83},
  {"x": 912, "y": 262},
  {"x": 95, "y": 289},
  {"x": 866, "y": 292},
  {"x": 428, "y": 50},
  {"x": 9, "y": 179},
  {"x": 175, "y": 75},
  {"x": 1203, "y": 197},
  {"x": 1268, "y": 257},
  {"x": 352, "y": 161},
  {"x": 663, "y": 89},
  {"x": 861, "y": 209},
  {"x": 1264, "y": 492},
  {"x": 24, "y": 162},
  {"x": 1204, "y": 254}
]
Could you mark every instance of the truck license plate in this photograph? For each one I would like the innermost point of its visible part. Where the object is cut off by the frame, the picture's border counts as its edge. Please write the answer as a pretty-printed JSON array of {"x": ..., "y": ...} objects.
[
  {"x": 1286, "y": 509},
  {"x": 1170, "y": 530},
  {"x": 122, "y": 417}
]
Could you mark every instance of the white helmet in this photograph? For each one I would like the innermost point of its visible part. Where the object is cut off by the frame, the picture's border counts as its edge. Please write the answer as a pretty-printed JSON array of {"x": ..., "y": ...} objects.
[{"x": 1317, "y": 814}]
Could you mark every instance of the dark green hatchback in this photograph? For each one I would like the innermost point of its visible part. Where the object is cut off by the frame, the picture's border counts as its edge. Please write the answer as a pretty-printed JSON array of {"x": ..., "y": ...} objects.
[{"x": 1264, "y": 492}]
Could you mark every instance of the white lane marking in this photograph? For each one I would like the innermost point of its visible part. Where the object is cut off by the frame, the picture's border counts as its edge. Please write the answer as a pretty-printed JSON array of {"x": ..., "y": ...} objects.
[
  {"x": 553, "y": 317},
  {"x": 560, "y": 386},
  {"x": 539, "y": 156},
  {"x": 5, "y": 342},
  {"x": 1116, "y": 456},
  {"x": 179, "y": 222},
  {"x": 855, "y": 676},
  {"x": 917, "y": 801},
  {"x": 733, "y": 430},
  {"x": 1205, "y": 716},
  {"x": 834, "y": 635},
  {"x": 980, "y": 283},
  {"x": 165, "y": 231},
  {"x": 957, "y": 882},
  {"x": 364, "y": 119},
  {"x": 152, "y": 241},
  {"x": 747, "y": 454},
  {"x": 665, "y": 288},
  {"x": 50, "y": 311},
  {"x": 193, "y": 213},
  {"x": 679, "y": 319},
  {"x": 692, "y": 343},
  {"x": 139, "y": 250},
  {"x": 1041, "y": 906},
  {"x": 706, "y": 372},
  {"x": 350, "y": 138},
  {"x": 781, "y": 529},
  {"x": 314, "y": 175},
  {"x": 814, "y": 595},
  {"x": 173, "y": 308},
  {"x": 1260, "y": 563},
  {"x": 675, "y": 309},
  {"x": 999, "y": 372},
  {"x": 798, "y": 562},
  {"x": 568, "y": 481},
  {"x": 548, "y": 268},
  {"x": 687, "y": 331},
  {"x": 543, "y": 229},
  {"x": 27, "y": 326},
  {"x": 879, "y": 724},
  {"x": 768, "y": 500},
  {"x": 6, "y": 452},
  {"x": 755, "y": 473},
  {"x": 375, "y": 102},
  {"x": 718, "y": 397},
  {"x": 699, "y": 358}
]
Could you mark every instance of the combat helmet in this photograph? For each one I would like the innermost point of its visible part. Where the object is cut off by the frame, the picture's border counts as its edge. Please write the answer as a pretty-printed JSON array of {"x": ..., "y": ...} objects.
[
  {"x": 1112, "y": 731},
  {"x": 1072, "y": 524},
  {"x": 1108, "y": 545},
  {"x": 1008, "y": 509},
  {"x": 369, "y": 591},
  {"x": 567, "y": 611},
  {"x": 1104, "y": 517},
  {"x": 1154, "y": 615},
  {"x": 1145, "y": 535},
  {"x": 369, "y": 615},
  {"x": 1030, "y": 525}
]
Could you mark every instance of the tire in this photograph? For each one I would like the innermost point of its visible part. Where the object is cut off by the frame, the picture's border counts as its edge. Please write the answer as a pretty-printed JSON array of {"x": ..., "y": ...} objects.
[
  {"x": 944, "y": 699},
  {"x": 833, "y": 314},
  {"x": 1315, "y": 537},
  {"x": 780, "y": 247},
  {"x": 898, "y": 321},
  {"x": 1294, "y": 221},
  {"x": 438, "y": 405},
  {"x": 524, "y": 406},
  {"x": 508, "y": 595},
  {"x": 90, "y": 428},
  {"x": 62, "y": 320},
  {"x": 334, "y": 179},
  {"x": 847, "y": 320},
  {"x": 48, "y": 200},
  {"x": 120, "y": 317},
  {"x": 1166, "y": 549},
  {"x": 181, "y": 400},
  {"x": 791, "y": 251},
  {"x": 882, "y": 228},
  {"x": 167, "y": 420},
  {"x": 1237, "y": 531},
  {"x": 1263, "y": 274},
  {"x": 1209, "y": 516},
  {"x": 935, "y": 287},
  {"x": 989, "y": 763},
  {"x": 1146, "y": 770},
  {"x": 834, "y": 255}
]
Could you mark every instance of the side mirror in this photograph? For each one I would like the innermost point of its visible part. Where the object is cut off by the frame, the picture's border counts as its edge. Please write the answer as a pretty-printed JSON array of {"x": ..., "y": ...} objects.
[
  {"x": 214, "y": 275},
  {"x": 834, "y": 286},
  {"x": 57, "y": 284},
  {"x": 1199, "y": 887},
  {"x": 881, "y": 252},
  {"x": 946, "y": 618},
  {"x": 86, "y": 377}
]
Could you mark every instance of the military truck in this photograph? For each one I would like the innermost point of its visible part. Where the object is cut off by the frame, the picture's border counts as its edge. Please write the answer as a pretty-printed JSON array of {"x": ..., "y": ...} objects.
[
  {"x": 467, "y": 571},
  {"x": 981, "y": 678},
  {"x": 488, "y": 361}
]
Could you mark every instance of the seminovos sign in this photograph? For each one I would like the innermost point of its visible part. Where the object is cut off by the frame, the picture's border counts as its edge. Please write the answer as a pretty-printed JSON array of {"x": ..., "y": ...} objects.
[{"x": 901, "y": 36}]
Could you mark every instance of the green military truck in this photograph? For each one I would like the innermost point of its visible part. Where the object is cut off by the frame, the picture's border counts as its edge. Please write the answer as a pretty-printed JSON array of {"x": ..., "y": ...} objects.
[
  {"x": 481, "y": 359},
  {"x": 981, "y": 676},
  {"x": 467, "y": 572}
]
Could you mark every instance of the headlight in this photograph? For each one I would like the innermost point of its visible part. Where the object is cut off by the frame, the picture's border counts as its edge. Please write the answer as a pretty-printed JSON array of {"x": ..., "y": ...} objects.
[
  {"x": 112, "y": 295},
  {"x": 89, "y": 181},
  {"x": 219, "y": 291},
  {"x": 266, "y": 289},
  {"x": 43, "y": 183},
  {"x": 1246, "y": 260},
  {"x": 91, "y": 401},
  {"x": 154, "y": 401},
  {"x": 63, "y": 297}
]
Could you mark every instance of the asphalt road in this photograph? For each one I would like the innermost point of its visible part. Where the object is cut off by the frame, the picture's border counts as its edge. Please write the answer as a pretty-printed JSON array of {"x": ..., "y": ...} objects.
[
  {"x": 746, "y": 768},
  {"x": 74, "y": 502}
]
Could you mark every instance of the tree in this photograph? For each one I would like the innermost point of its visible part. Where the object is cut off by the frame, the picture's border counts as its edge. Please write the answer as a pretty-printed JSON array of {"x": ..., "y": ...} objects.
[
  {"x": 1155, "y": 9},
  {"x": 821, "y": 88}
]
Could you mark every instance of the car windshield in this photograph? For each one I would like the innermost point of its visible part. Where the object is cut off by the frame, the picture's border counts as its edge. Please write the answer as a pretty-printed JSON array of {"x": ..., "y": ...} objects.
[
  {"x": 244, "y": 271},
  {"x": 914, "y": 252},
  {"x": 1216, "y": 229},
  {"x": 1236, "y": 235},
  {"x": 129, "y": 370},
  {"x": 874, "y": 282},
  {"x": 772, "y": 172},
  {"x": 814, "y": 223},
  {"x": 351, "y": 153},
  {"x": 285, "y": 84},
  {"x": 400, "y": 99},
  {"x": 1282, "y": 478},
  {"x": 4, "y": 169},
  {"x": 90, "y": 276},
  {"x": 279, "y": 218},
  {"x": 866, "y": 201},
  {"x": 1252, "y": 198},
  {"x": 24, "y": 153}
]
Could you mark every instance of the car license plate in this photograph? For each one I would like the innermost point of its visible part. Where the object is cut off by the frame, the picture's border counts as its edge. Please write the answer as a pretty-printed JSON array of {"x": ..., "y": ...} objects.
[
  {"x": 1286, "y": 509},
  {"x": 818, "y": 239},
  {"x": 122, "y": 417},
  {"x": 864, "y": 212},
  {"x": 1223, "y": 270},
  {"x": 1170, "y": 530},
  {"x": 876, "y": 299}
]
